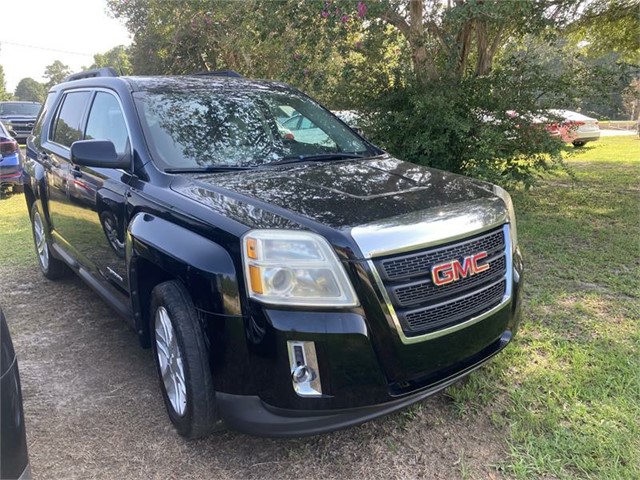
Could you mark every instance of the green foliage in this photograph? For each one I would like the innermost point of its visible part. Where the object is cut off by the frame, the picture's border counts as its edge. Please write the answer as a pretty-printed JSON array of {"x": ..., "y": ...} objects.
[
  {"x": 285, "y": 40},
  {"x": 55, "y": 73},
  {"x": 467, "y": 127},
  {"x": 563, "y": 75},
  {"x": 29, "y": 90},
  {"x": 430, "y": 74},
  {"x": 610, "y": 26},
  {"x": 117, "y": 57},
  {"x": 4, "y": 95}
]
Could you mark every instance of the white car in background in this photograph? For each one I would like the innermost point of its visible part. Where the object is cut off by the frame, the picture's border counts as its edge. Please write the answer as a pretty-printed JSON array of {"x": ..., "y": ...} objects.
[{"x": 574, "y": 127}]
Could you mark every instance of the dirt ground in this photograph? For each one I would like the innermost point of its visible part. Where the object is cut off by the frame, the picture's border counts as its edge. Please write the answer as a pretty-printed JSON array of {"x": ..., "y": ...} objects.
[{"x": 94, "y": 410}]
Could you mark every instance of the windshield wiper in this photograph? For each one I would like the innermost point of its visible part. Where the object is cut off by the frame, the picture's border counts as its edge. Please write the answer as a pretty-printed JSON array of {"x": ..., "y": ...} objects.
[
  {"x": 319, "y": 157},
  {"x": 209, "y": 169}
]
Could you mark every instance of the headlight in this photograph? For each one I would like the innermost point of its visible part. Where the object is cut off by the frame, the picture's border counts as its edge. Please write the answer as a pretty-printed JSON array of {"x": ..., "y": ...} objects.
[
  {"x": 506, "y": 198},
  {"x": 285, "y": 267}
]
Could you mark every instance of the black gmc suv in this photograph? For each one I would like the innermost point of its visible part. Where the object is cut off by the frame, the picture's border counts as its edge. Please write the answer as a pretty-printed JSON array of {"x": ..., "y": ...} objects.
[{"x": 289, "y": 281}]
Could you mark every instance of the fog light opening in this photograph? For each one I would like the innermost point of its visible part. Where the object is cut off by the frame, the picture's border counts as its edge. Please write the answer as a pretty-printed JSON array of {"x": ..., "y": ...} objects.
[
  {"x": 303, "y": 374},
  {"x": 305, "y": 377}
]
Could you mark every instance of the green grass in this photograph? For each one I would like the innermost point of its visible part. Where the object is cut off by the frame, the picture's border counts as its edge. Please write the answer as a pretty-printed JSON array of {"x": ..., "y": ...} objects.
[
  {"x": 568, "y": 389},
  {"x": 16, "y": 242}
]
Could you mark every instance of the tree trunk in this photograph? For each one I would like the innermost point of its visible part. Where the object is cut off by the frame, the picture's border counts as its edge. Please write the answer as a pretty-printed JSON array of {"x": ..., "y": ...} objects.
[
  {"x": 486, "y": 52},
  {"x": 423, "y": 67},
  {"x": 463, "y": 42},
  {"x": 415, "y": 31},
  {"x": 482, "y": 42}
]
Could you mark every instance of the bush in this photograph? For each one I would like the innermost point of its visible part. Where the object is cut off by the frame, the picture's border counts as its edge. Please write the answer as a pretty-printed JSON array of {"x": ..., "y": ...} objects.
[{"x": 481, "y": 126}]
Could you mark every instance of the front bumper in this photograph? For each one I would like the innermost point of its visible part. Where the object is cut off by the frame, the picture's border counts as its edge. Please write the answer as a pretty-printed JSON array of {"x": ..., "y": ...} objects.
[
  {"x": 585, "y": 139},
  {"x": 365, "y": 370},
  {"x": 249, "y": 414}
]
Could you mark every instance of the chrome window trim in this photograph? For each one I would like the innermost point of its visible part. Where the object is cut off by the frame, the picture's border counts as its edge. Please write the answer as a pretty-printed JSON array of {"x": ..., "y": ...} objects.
[
  {"x": 428, "y": 228},
  {"x": 56, "y": 114},
  {"x": 390, "y": 312}
]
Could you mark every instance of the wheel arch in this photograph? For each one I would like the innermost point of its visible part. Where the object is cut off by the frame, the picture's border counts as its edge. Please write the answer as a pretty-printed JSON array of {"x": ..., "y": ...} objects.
[
  {"x": 29, "y": 196},
  {"x": 158, "y": 250}
]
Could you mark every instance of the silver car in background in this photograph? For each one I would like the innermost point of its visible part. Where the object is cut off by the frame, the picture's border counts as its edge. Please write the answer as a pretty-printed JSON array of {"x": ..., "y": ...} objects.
[{"x": 575, "y": 127}]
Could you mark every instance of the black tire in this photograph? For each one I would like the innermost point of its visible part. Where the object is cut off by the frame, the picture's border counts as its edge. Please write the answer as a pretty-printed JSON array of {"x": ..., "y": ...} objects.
[
  {"x": 200, "y": 414},
  {"x": 579, "y": 144},
  {"x": 51, "y": 267}
]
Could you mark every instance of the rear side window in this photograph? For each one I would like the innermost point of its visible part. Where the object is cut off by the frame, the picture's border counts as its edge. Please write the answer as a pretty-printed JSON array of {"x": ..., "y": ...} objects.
[
  {"x": 106, "y": 122},
  {"x": 51, "y": 96},
  {"x": 66, "y": 128}
]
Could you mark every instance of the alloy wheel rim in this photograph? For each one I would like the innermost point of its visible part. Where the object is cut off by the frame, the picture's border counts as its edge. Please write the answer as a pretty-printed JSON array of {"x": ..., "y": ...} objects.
[
  {"x": 112, "y": 235},
  {"x": 41, "y": 241},
  {"x": 170, "y": 361}
]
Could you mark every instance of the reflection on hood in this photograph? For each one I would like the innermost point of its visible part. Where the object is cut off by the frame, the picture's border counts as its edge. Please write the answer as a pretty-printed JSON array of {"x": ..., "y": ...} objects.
[{"x": 340, "y": 195}]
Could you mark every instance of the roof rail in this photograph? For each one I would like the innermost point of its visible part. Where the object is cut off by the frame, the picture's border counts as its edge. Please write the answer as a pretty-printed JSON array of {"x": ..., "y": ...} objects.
[
  {"x": 220, "y": 73},
  {"x": 96, "y": 72}
]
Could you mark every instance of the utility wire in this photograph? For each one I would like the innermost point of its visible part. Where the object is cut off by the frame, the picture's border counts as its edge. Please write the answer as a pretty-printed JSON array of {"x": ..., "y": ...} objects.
[{"x": 47, "y": 48}]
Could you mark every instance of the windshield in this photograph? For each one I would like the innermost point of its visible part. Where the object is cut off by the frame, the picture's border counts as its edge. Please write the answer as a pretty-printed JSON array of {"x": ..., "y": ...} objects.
[
  {"x": 26, "y": 109},
  {"x": 240, "y": 128}
]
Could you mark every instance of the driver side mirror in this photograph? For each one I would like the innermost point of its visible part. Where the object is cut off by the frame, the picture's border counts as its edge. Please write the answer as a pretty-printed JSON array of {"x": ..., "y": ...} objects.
[{"x": 98, "y": 153}]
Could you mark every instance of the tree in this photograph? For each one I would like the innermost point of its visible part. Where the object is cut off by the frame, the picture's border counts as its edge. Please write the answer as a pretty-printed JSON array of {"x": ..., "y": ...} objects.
[
  {"x": 55, "y": 73},
  {"x": 117, "y": 57},
  {"x": 29, "y": 90},
  {"x": 445, "y": 74},
  {"x": 631, "y": 98},
  {"x": 610, "y": 26},
  {"x": 456, "y": 38},
  {"x": 4, "y": 95}
]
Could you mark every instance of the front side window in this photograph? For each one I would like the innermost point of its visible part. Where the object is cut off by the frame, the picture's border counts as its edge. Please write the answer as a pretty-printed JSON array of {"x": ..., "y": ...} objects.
[
  {"x": 106, "y": 122},
  {"x": 239, "y": 128},
  {"x": 66, "y": 128}
]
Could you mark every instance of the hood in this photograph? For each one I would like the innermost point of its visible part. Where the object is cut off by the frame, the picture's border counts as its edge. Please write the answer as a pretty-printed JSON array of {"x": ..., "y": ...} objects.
[{"x": 340, "y": 195}]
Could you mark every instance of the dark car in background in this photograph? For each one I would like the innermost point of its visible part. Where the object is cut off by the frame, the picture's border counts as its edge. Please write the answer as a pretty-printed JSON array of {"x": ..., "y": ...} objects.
[
  {"x": 14, "y": 459},
  {"x": 19, "y": 117},
  {"x": 10, "y": 161}
]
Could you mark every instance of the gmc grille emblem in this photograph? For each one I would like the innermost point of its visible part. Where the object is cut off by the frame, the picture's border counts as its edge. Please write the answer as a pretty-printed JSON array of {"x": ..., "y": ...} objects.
[{"x": 452, "y": 271}]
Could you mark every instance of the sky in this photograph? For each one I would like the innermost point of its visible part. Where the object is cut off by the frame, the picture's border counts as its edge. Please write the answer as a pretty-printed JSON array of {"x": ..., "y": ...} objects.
[{"x": 42, "y": 31}]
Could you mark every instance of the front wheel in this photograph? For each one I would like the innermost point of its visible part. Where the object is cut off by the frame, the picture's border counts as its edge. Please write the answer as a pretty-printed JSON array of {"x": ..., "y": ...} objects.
[
  {"x": 182, "y": 362},
  {"x": 51, "y": 267},
  {"x": 579, "y": 144}
]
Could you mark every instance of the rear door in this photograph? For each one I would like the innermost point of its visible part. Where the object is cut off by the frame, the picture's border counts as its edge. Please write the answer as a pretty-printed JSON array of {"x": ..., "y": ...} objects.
[
  {"x": 87, "y": 204},
  {"x": 65, "y": 129}
]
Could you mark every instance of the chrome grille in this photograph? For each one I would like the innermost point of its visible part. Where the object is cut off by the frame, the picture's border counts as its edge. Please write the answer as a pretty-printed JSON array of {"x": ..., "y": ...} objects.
[
  {"x": 424, "y": 291},
  {"x": 22, "y": 126},
  {"x": 436, "y": 316},
  {"x": 406, "y": 266},
  {"x": 423, "y": 307}
]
